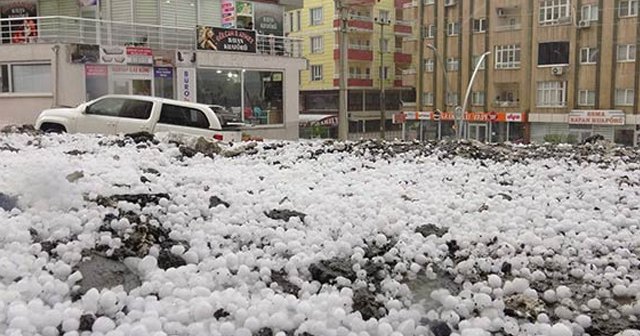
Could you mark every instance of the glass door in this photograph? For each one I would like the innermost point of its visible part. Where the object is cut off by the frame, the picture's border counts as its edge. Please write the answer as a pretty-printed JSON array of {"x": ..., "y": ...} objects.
[{"x": 478, "y": 132}]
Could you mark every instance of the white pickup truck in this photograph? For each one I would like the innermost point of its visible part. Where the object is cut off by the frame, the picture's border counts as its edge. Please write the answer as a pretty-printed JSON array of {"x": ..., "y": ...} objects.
[{"x": 113, "y": 114}]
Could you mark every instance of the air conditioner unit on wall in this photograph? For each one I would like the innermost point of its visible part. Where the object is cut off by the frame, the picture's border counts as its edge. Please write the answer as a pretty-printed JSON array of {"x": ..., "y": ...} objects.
[
  {"x": 557, "y": 70},
  {"x": 448, "y": 3},
  {"x": 500, "y": 12},
  {"x": 584, "y": 24}
]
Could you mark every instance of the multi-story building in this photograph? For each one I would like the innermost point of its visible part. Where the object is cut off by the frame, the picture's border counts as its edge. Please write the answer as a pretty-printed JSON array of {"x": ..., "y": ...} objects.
[
  {"x": 558, "y": 68},
  {"x": 231, "y": 53},
  {"x": 376, "y": 58}
]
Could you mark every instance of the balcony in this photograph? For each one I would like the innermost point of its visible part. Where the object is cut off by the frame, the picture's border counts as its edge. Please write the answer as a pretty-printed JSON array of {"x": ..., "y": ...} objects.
[
  {"x": 359, "y": 80},
  {"x": 72, "y": 30},
  {"x": 356, "y": 22},
  {"x": 508, "y": 27},
  {"x": 402, "y": 3},
  {"x": 397, "y": 82},
  {"x": 400, "y": 57},
  {"x": 505, "y": 103},
  {"x": 402, "y": 27},
  {"x": 355, "y": 53}
]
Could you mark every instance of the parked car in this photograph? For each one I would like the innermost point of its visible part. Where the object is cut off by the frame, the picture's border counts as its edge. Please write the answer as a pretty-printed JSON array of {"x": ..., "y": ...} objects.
[
  {"x": 226, "y": 115},
  {"x": 113, "y": 114}
]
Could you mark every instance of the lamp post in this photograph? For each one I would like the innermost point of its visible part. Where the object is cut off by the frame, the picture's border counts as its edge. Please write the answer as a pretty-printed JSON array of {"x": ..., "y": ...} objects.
[
  {"x": 383, "y": 74},
  {"x": 466, "y": 96},
  {"x": 447, "y": 87}
]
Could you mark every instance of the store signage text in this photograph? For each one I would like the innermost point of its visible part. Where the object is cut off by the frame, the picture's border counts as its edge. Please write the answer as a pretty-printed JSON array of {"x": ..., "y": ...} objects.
[{"x": 597, "y": 117}]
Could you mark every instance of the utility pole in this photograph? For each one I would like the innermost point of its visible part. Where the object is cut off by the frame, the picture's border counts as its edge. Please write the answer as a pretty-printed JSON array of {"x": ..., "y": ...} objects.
[
  {"x": 447, "y": 88},
  {"x": 343, "y": 121},
  {"x": 420, "y": 70},
  {"x": 383, "y": 75}
]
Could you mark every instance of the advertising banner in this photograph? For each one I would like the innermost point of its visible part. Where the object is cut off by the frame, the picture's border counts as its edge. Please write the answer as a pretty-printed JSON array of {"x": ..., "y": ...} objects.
[
  {"x": 268, "y": 19},
  {"x": 96, "y": 80},
  {"x": 163, "y": 72},
  {"x": 113, "y": 54},
  {"x": 139, "y": 55},
  {"x": 221, "y": 39},
  {"x": 18, "y": 30},
  {"x": 597, "y": 117},
  {"x": 228, "y": 10},
  {"x": 186, "y": 84}
]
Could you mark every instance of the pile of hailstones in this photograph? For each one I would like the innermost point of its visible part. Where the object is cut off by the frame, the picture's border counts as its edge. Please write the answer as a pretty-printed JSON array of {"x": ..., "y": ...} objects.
[{"x": 473, "y": 288}]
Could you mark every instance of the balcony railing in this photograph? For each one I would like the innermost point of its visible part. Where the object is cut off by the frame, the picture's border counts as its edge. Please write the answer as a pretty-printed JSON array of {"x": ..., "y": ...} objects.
[
  {"x": 73, "y": 30},
  {"x": 404, "y": 22},
  {"x": 508, "y": 27},
  {"x": 505, "y": 103}
]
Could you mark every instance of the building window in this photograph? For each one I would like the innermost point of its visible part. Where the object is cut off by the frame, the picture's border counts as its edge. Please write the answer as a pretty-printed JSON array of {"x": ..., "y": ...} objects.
[
  {"x": 480, "y": 25},
  {"x": 482, "y": 65},
  {"x": 477, "y": 98},
  {"x": 298, "y": 20},
  {"x": 508, "y": 56},
  {"x": 586, "y": 98},
  {"x": 317, "y": 44},
  {"x": 589, "y": 13},
  {"x": 628, "y": 8},
  {"x": 453, "y": 64},
  {"x": 316, "y": 72},
  {"x": 427, "y": 98},
  {"x": 553, "y": 53},
  {"x": 428, "y": 65},
  {"x": 452, "y": 98},
  {"x": 385, "y": 45},
  {"x": 383, "y": 72},
  {"x": 384, "y": 15},
  {"x": 453, "y": 28},
  {"x": 25, "y": 78},
  {"x": 555, "y": 12},
  {"x": 315, "y": 16},
  {"x": 589, "y": 56},
  {"x": 552, "y": 94},
  {"x": 430, "y": 31},
  {"x": 624, "y": 97},
  {"x": 626, "y": 52},
  {"x": 429, "y": 2}
]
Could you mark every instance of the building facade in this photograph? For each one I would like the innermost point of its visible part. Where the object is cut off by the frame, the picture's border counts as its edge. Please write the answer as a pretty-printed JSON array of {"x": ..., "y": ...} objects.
[
  {"x": 558, "y": 69},
  {"x": 376, "y": 59},
  {"x": 229, "y": 53}
]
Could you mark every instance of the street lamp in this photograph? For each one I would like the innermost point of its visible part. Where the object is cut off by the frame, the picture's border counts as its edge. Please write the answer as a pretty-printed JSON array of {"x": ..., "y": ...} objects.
[
  {"x": 383, "y": 118},
  {"x": 447, "y": 87},
  {"x": 343, "y": 121},
  {"x": 466, "y": 96}
]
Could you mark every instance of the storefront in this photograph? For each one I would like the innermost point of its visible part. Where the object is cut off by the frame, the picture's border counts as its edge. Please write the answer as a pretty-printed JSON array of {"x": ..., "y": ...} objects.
[{"x": 482, "y": 126}]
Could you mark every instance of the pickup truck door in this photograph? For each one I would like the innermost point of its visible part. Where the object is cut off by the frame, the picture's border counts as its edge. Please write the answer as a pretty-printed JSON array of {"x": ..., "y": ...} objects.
[
  {"x": 101, "y": 116},
  {"x": 136, "y": 116}
]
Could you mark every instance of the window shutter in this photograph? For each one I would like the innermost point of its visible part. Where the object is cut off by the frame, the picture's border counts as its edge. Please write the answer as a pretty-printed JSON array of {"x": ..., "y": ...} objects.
[
  {"x": 178, "y": 13},
  {"x": 121, "y": 11},
  {"x": 146, "y": 12},
  {"x": 209, "y": 13}
]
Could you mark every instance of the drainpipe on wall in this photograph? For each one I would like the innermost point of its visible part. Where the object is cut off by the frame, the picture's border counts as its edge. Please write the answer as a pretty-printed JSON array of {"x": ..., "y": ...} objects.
[{"x": 56, "y": 51}]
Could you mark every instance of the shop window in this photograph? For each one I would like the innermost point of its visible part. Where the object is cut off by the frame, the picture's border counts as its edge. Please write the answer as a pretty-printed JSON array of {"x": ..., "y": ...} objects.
[
  {"x": 263, "y": 99},
  {"x": 220, "y": 87},
  {"x": 25, "y": 78},
  {"x": 163, "y": 82},
  {"x": 553, "y": 53},
  {"x": 183, "y": 116}
]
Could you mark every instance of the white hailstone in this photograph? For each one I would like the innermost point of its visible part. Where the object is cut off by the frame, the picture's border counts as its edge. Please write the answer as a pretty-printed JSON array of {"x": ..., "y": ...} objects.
[
  {"x": 462, "y": 310},
  {"x": 21, "y": 323},
  {"x": 201, "y": 310},
  {"x": 481, "y": 300},
  {"x": 520, "y": 285},
  {"x": 543, "y": 318},
  {"x": 49, "y": 331},
  {"x": 577, "y": 273},
  {"x": 151, "y": 323},
  {"x": 583, "y": 320},
  {"x": 148, "y": 264},
  {"x": 243, "y": 332},
  {"x": 563, "y": 292},
  {"x": 549, "y": 295},
  {"x": 380, "y": 239},
  {"x": 415, "y": 268},
  {"x": 563, "y": 312},
  {"x": 103, "y": 325},
  {"x": 227, "y": 329},
  {"x": 560, "y": 329},
  {"x": 421, "y": 259},
  {"x": 61, "y": 270},
  {"x": 407, "y": 327},
  {"x": 449, "y": 302},
  {"x": 450, "y": 317},
  {"x": 90, "y": 300},
  {"x": 494, "y": 281},
  {"x": 108, "y": 301},
  {"x": 538, "y": 276},
  {"x": 177, "y": 249},
  {"x": 474, "y": 332},
  {"x": 252, "y": 323},
  {"x": 70, "y": 324},
  {"x": 594, "y": 304},
  {"x": 432, "y": 315},
  {"x": 384, "y": 329},
  {"x": 361, "y": 274},
  {"x": 620, "y": 290}
]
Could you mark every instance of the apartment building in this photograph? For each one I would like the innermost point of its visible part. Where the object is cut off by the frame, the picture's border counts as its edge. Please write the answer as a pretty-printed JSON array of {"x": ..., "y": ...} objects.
[
  {"x": 230, "y": 53},
  {"x": 558, "y": 69},
  {"x": 376, "y": 57}
]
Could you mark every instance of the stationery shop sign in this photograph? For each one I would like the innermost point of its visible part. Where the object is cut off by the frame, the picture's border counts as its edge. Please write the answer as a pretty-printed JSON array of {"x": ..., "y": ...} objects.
[{"x": 222, "y": 39}]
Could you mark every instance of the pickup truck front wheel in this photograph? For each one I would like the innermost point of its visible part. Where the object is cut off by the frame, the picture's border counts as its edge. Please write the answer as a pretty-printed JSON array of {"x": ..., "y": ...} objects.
[{"x": 52, "y": 128}]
